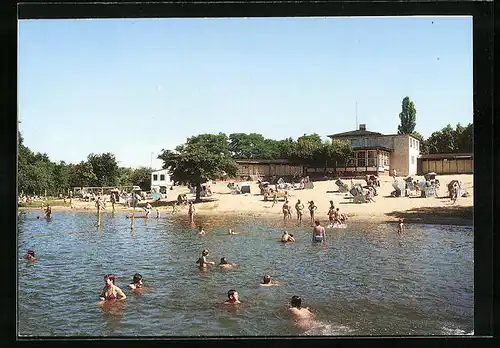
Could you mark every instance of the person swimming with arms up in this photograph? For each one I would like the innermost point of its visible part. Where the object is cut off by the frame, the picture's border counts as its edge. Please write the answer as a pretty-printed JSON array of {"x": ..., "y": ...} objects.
[
  {"x": 137, "y": 282},
  {"x": 202, "y": 261},
  {"x": 233, "y": 297},
  {"x": 111, "y": 291},
  {"x": 225, "y": 265},
  {"x": 267, "y": 281},
  {"x": 303, "y": 317},
  {"x": 30, "y": 256},
  {"x": 286, "y": 237}
]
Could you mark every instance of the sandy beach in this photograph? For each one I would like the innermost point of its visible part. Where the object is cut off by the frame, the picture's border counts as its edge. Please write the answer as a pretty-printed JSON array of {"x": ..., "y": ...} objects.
[{"x": 432, "y": 210}]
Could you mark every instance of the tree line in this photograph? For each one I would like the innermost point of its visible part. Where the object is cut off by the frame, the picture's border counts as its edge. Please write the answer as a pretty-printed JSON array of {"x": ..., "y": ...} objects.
[
  {"x": 447, "y": 140},
  {"x": 37, "y": 174}
]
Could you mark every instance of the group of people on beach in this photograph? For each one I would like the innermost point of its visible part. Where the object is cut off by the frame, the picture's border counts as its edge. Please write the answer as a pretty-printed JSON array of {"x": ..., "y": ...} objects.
[{"x": 334, "y": 214}]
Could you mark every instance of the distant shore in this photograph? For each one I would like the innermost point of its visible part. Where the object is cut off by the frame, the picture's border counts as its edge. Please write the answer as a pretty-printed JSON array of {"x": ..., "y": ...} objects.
[{"x": 432, "y": 210}]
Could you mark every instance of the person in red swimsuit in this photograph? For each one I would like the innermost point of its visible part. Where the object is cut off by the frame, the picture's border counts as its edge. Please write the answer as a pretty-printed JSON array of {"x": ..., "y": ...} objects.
[{"x": 110, "y": 290}]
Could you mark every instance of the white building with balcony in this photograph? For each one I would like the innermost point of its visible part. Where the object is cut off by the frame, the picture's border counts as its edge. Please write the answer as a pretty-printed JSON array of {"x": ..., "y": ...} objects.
[{"x": 377, "y": 153}]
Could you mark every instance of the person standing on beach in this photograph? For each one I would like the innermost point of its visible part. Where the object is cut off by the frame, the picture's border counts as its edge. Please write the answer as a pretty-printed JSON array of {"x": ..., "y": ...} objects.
[
  {"x": 191, "y": 212},
  {"x": 312, "y": 208},
  {"x": 286, "y": 210},
  {"x": 275, "y": 197},
  {"x": 299, "y": 207},
  {"x": 394, "y": 174},
  {"x": 319, "y": 234}
]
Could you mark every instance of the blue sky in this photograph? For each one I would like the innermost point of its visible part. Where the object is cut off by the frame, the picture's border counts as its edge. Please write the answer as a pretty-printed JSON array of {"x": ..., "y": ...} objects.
[{"x": 135, "y": 86}]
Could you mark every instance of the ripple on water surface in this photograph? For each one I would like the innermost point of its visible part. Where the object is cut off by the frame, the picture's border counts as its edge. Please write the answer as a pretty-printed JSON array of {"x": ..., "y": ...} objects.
[{"x": 366, "y": 280}]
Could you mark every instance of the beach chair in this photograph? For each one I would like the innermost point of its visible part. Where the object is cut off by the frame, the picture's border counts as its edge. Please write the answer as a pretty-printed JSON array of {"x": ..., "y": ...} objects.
[{"x": 342, "y": 188}]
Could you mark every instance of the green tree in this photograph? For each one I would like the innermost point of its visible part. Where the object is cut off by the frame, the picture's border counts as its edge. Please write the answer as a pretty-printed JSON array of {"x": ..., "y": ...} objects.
[
  {"x": 442, "y": 141},
  {"x": 464, "y": 138},
  {"x": 252, "y": 145},
  {"x": 124, "y": 176},
  {"x": 408, "y": 116},
  {"x": 308, "y": 149},
  {"x": 202, "y": 158},
  {"x": 141, "y": 177},
  {"x": 105, "y": 169},
  {"x": 82, "y": 174}
]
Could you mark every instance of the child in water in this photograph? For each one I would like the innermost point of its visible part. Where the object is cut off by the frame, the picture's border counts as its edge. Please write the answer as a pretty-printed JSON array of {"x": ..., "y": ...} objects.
[
  {"x": 30, "y": 256},
  {"x": 401, "y": 227}
]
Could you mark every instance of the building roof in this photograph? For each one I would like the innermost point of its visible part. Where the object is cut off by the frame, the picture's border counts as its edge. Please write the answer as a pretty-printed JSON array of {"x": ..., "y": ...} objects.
[
  {"x": 355, "y": 148},
  {"x": 262, "y": 161},
  {"x": 158, "y": 170},
  {"x": 447, "y": 156},
  {"x": 354, "y": 133}
]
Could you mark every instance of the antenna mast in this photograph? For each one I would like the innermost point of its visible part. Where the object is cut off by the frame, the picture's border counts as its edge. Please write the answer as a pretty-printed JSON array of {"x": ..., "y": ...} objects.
[{"x": 356, "y": 115}]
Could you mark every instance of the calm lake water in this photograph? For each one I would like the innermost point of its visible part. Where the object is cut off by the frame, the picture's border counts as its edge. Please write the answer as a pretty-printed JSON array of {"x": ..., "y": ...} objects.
[{"x": 366, "y": 280}]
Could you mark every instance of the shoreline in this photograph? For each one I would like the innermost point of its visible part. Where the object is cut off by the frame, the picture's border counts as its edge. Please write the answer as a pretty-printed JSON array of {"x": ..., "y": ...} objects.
[
  {"x": 386, "y": 209},
  {"x": 428, "y": 219}
]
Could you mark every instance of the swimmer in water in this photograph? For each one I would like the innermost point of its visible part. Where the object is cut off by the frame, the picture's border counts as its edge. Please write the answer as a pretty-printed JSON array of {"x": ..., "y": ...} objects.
[
  {"x": 110, "y": 290},
  {"x": 319, "y": 234},
  {"x": 201, "y": 231},
  {"x": 303, "y": 316},
  {"x": 231, "y": 232},
  {"x": 137, "y": 282},
  {"x": 202, "y": 261},
  {"x": 267, "y": 281},
  {"x": 225, "y": 265},
  {"x": 401, "y": 227},
  {"x": 30, "y": 256},
  {"x": 48, "y": 211},
  {"x": 286, "y": 237},
  {"x": 233, "y": 297}
]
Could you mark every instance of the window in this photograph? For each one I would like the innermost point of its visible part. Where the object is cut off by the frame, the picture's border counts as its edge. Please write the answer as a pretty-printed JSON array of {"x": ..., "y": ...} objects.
[
  {"x": 155, "y": 177},
  {"x": 162, "y": 177},
  {"x": 361, "y": 155},
  {"x": 412, "y": 159},
  {"x": 366, "y": 141},
  {"x": 372, "y": 158}
]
